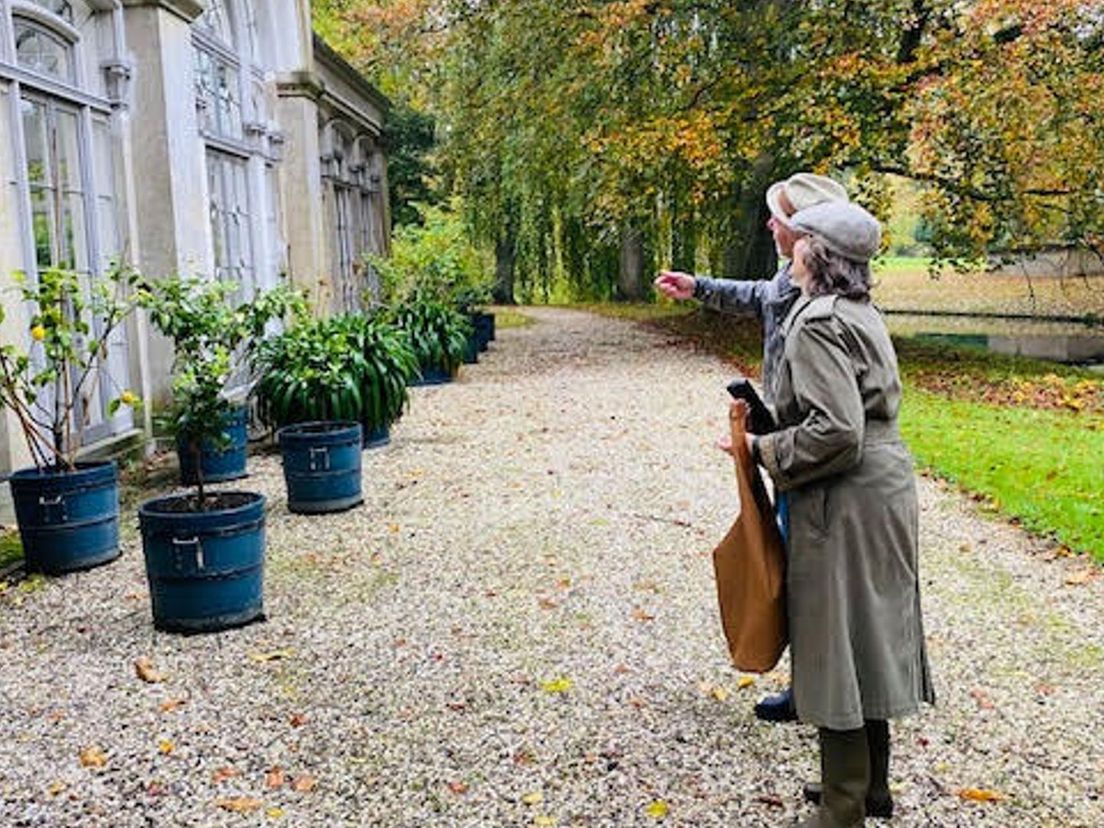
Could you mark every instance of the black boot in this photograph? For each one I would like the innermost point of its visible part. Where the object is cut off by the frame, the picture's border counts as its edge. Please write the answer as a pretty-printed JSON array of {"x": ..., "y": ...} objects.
[
  {"x": 845, "y": 769},
  {"x": 777, "y": 708},
  {"x": 879, "y": 802}
]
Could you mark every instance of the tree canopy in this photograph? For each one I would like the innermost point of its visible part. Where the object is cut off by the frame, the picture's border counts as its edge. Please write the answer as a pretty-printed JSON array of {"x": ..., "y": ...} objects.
[{"x": 579, "y": 130}]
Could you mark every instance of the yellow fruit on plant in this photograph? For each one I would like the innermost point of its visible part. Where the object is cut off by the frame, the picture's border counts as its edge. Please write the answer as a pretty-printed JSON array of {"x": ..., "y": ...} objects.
[
  {"x": 38, "y": 333},
  {"x": 128, "y": 398}
]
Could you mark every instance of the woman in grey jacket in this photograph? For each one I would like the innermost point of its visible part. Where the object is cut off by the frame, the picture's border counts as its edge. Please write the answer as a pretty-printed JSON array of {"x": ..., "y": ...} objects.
[{"x": 856, "y": 634}]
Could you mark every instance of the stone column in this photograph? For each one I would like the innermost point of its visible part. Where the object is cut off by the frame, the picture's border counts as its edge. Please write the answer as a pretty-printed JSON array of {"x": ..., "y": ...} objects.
[
  {"x": 169, "y": 169},
  {"x": 301, "y": 179}
]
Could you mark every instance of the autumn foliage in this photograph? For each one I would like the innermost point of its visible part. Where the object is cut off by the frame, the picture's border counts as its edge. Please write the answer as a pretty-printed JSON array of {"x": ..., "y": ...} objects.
[{"x": 566, "y": 123}]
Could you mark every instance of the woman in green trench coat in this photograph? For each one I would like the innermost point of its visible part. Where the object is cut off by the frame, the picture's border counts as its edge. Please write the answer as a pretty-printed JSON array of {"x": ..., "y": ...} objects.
[{"x": 852, "y": 583}]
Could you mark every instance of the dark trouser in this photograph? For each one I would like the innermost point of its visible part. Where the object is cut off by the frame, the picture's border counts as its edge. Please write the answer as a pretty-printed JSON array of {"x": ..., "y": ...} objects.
[{"x": 854, "y": 770}]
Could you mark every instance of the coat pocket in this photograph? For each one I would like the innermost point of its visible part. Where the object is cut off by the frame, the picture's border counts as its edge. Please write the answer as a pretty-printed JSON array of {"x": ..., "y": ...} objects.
[{"x": 809, "y": 511}]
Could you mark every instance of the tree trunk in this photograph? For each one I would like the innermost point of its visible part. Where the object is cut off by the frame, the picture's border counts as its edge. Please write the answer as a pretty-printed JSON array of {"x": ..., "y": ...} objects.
[
  {"x": 747, "y": 247},
  {"x": 505, "y": 264},
  {"x": 630, "y": 281},
  {"x": 684, "y": 234}
]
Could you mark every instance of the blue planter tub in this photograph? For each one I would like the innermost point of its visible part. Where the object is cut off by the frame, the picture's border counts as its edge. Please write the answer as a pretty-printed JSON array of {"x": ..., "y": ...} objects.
[
  {"x": 472, "y": 349},
  {"x": 484, "y": 329},
  {"x": 321, "y": 466},
  {"x": 205, "y": 569},
  {"x": 432, "y": 375},
  {"x": 68, "y": 520},
  {"x": 218, "y": 464},
  {"x": 377, "y": 436}
]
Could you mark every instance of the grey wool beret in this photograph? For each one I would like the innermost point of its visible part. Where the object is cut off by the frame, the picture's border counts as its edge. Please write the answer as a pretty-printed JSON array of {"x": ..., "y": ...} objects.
[{"x": 844, "y": 227}]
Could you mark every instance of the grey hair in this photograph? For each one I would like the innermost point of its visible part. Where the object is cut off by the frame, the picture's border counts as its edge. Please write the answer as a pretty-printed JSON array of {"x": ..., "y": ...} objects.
[{"x": 829, "y": 272}]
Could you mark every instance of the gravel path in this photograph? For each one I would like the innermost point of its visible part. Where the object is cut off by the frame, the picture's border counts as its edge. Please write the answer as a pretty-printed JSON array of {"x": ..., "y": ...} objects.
[{"x": 519, "y": 628}]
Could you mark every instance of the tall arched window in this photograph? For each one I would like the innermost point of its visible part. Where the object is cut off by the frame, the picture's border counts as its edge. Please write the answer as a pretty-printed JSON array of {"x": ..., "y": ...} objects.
[
  {"x": 55, "y": 62},
  {"x": 347, "y": 165},
  {"x": 234, "y": 121}
]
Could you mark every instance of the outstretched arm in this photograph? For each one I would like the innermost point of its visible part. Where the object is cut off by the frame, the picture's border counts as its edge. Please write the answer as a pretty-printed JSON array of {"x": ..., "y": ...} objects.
[{"x": 725, "y": 295}]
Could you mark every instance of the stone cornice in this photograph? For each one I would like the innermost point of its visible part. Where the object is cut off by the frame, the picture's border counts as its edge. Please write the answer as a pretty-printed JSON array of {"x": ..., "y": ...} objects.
[
  {"x": 324, "y": 54},
  {"x": 186, "y": 10},
  {"x": 300, "y": 84}
]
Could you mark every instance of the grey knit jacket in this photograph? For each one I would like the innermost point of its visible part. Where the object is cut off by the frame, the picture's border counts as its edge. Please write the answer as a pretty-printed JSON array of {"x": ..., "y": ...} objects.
[{"x": 770, "y": 300}]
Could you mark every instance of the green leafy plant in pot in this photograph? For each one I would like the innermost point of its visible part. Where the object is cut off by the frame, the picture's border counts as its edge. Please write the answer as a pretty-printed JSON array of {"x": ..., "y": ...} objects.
[
  {"x": 348, "y": 367},
  {"x": 67, "y": 511},
  {"x": 437, "y": 331},
  {"x": 204, "y": 552},
  {"x": 331, "y": 386}
]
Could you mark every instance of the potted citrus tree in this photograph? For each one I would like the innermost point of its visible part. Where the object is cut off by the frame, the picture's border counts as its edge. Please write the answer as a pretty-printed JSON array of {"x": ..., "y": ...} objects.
[
  {"x": 331, "y": 386},
  {"x": 67, "y": 511},
  {"x": 204, "y": 550}
]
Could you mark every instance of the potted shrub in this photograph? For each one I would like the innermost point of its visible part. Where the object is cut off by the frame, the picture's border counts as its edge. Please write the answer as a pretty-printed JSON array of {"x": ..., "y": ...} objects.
[
  {"x": 214, "y": 337},
  {"x": 67, "y": 511},
  {"x": 204, "y": 551},
  {"x": 438, "y": 334},
  {"x": 435, "y": 259},
  {"x": 329, "y": 385}
]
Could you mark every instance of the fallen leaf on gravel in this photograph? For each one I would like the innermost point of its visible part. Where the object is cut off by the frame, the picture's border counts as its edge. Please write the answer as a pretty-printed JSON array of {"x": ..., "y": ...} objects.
[
  {"x": 657, "y": 809},
  {"x": 166, "y": 746},
  {"x": 772, "y": 800},
  {"x": 304, "y": 784},
  {"x": 641, "y": 615},
  {"x": 458, "y": 787},
  {"x": 147, "y": 672},
  {"x": 534, "y": 798},
  {"x": 170, "y": 705},
  {"x": 980, "y": 795},
  {"x": 557, "y": 685},
  {"x": 275, "y": 777},
  {"x": 274, "y": 813},
  {"x": 297, "y": 720},
  {"x": 1081, "y": 578},
  {"x": 239, "y": 805},
  {"x": 548, "y": 603},
  {"x": 55, "y": 788},
  {"x": 93, "y": 757},
  {"x": 222, "y": 774},
  {"x": 544, "y": 820},
  {"x": 982, "y": 699},
  {"x": 1062, "y": 551},
  {"x": 714, "y": 690},
  {"x": 745, "y": 682},
  {"x": 272, "y": 655}
]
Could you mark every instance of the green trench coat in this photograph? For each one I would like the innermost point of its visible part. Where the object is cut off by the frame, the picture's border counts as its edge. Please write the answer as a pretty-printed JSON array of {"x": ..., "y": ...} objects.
[{"x": 853, "y": 591}]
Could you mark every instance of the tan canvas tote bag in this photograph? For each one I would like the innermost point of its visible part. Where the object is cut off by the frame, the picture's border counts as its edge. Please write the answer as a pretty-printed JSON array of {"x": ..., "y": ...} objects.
[{"x": 751, "y": 567}]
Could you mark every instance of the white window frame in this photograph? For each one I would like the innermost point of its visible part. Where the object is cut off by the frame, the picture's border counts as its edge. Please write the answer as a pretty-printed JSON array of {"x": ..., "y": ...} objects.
[
  {"x": 72, "y": 94},
  {"x": 247, "y": 141}
]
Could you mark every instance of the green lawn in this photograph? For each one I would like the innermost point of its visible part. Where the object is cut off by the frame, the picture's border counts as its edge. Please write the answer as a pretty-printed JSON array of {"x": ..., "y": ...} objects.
[
  {"x": 1042, "y": 467},
  {"x": 11, "y": 550}
]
